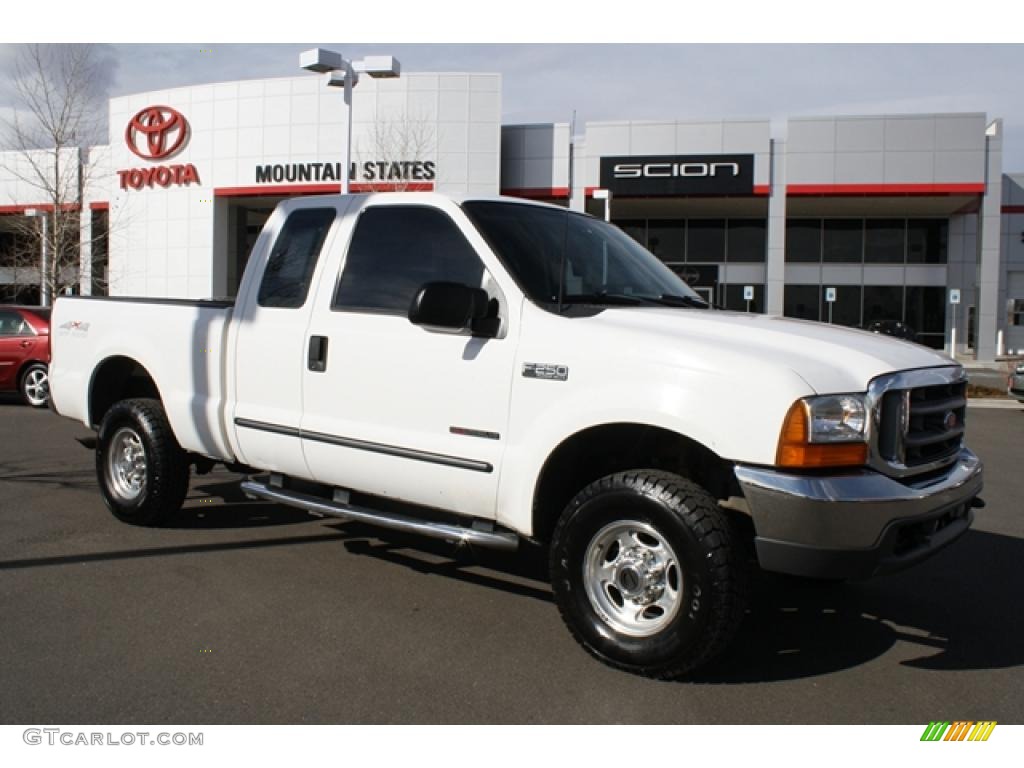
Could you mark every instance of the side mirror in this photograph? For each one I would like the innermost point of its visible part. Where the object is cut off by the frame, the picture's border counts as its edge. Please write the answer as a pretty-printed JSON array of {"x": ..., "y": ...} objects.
[{"x": 455, "y": 307}]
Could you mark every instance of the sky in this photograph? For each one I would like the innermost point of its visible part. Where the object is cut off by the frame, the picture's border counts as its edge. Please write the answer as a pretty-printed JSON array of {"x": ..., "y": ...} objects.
[{"x": 547, "y": 82}]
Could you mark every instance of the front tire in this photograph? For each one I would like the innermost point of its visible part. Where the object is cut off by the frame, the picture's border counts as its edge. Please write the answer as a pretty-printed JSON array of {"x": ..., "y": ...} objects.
[
  {"x": 35, "y": 385},
  {"x": 648, "y": 574},
  {"x": 142, "y": 471}
]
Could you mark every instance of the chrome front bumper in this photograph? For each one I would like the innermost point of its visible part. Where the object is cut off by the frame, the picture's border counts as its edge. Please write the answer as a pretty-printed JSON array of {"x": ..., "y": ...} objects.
[{"x": 856, "y": 524}]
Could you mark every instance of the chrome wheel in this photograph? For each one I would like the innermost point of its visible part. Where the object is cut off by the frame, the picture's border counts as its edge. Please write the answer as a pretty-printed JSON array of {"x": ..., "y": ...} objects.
[
  {"x": 632, "y": 578},
  {"x": 126, "y": 464},
  {"x": 37, "y": 387}
]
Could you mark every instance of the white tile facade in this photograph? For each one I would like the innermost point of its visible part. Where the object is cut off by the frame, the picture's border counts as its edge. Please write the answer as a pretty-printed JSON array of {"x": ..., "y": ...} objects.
[{"x": 162, "y": 239}]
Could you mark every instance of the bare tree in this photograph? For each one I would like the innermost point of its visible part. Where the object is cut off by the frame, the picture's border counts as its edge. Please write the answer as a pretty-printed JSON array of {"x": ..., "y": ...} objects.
[
  {"x": 397, "y": 155},
  {"x": 59, "y": 110}
]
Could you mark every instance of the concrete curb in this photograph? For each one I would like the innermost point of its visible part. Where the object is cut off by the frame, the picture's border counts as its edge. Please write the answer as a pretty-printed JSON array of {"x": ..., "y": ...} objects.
[{"x": 993, "y": 402}]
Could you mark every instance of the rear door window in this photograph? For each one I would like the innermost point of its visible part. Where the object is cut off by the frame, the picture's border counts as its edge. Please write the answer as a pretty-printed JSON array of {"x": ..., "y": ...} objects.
[
  {"x": 293, "y": 259},
  {"x": 13, "y": 324}
]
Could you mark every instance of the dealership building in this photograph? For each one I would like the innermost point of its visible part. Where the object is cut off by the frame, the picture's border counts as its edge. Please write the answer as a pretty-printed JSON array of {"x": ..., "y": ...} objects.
[{"x": 853, "y": 220}]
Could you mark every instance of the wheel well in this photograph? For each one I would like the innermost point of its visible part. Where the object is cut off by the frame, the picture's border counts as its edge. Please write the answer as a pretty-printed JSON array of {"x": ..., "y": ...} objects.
[
  {"x": 116, "y": 379},
  {"x": 609, "y": 448}
]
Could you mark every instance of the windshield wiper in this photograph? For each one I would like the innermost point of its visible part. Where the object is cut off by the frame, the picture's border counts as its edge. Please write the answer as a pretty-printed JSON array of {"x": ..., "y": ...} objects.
[
  {"x": 635, "y": 300},
  {"x": 603, "y": 297},
  {"x": 673, "y": 300}
]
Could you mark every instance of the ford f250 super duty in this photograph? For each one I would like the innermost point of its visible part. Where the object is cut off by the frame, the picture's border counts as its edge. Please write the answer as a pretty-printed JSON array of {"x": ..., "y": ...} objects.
[{"x": 489, "y": 371}]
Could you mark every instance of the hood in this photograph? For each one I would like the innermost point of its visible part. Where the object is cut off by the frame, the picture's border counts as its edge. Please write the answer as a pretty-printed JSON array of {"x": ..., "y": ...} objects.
[{"x": 831, "y": 359}]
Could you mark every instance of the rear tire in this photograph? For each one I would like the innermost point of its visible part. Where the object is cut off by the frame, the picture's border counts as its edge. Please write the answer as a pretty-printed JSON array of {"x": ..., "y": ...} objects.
[
  {"x": 35, "y": 385},
  {"x": 648, "y": 574},
  {"x": 142, "y": 471}
]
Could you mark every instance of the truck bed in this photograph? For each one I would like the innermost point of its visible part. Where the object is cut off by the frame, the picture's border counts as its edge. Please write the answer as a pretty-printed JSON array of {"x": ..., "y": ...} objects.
[{"x": 180, "y": 342}]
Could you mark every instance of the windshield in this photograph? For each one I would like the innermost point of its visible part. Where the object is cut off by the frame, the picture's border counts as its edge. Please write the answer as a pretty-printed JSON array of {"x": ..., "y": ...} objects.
[{"x": 602, "y": 264}]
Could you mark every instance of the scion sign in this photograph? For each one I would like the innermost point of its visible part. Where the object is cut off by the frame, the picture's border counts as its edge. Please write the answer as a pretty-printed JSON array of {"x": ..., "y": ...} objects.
[{"x": 655, "y": 175}]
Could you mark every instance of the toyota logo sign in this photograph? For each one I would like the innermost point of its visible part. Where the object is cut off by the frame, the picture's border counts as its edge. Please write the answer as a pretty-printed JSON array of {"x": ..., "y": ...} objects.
[{"x": 156, "y": 132}]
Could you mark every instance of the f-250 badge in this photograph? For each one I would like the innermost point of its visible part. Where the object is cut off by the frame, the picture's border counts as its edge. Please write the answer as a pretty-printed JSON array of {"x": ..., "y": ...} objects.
[{"x": 549, "y": 371}]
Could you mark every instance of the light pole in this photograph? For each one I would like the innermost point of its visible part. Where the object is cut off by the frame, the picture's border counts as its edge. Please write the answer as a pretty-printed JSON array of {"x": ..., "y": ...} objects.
[
  {"x": 342, "y": 73},
  {"x": 44, "y": 282},
  {"x": 606, "y": 195}
]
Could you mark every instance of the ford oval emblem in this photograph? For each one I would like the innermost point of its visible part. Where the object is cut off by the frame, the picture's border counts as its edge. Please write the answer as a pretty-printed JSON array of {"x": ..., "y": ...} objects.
[{"x": 950, "y": 421}]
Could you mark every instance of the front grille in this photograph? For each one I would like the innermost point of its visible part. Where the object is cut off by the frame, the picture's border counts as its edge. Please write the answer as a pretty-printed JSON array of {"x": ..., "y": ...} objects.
[
  {"x": 919, "y": 428},
  {"x": 936, "y": 426}
]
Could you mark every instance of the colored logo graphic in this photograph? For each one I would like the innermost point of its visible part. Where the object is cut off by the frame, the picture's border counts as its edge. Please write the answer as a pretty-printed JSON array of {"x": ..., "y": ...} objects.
[
  {"x": 960, "y": 730},
  {"x": 156, "y": 132}
]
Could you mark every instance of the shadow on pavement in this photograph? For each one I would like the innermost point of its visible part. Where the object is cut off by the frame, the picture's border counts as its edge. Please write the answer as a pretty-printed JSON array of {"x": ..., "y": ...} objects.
[
  {"x": 958, "y": 611},
  {"x": 223, "y": 505},
  {"x": 507, "y": 570},
  {"x": 77, "y": 479},
  {"x": 188, "y": 549},
  {"x": 954, "y": 612}
]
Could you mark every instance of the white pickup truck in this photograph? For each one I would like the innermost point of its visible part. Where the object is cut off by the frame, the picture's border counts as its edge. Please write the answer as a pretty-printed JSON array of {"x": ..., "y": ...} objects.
[{"x": 489, "y": 371}]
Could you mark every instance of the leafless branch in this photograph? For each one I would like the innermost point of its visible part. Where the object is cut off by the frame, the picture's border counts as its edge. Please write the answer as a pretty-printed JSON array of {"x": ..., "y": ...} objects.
[{"x": 59, "y": 109}]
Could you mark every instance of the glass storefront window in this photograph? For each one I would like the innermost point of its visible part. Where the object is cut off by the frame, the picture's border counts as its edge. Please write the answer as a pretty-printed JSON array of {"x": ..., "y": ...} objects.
[
  {"x": 1015, "y": 312},
  {"x": 843, "y": 241},
  {"x": 635, "y": 229},
  {"x": 884, "y": 241},
  {"x": 733, "y": 298},
  {"x": 846, "y": 307},
  {"x": 802, "y": 301},
  {"x": 705, "y": 240},
  {"x": 667, "y": 239},
  {"x": 747, "y": 240},
  {"x": 883, "y": 302},
  {"x": 803, "y": 240},
  {"x": 926, "y": 309},
  {"x": 927, "y": 241}
]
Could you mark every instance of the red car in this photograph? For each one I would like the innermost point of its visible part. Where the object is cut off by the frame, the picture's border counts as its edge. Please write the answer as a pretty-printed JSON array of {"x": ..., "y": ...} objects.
[{"x": 25, "y": 353}]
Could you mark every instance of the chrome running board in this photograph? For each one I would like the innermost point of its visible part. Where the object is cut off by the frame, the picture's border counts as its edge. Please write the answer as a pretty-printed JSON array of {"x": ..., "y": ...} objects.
[{"x": 456, "y": 533}]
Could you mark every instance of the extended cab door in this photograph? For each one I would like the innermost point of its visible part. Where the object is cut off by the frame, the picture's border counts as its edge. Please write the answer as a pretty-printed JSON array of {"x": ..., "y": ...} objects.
[
  {"x": 392, "y": 408},
  {"x": 271, "y": 319}
]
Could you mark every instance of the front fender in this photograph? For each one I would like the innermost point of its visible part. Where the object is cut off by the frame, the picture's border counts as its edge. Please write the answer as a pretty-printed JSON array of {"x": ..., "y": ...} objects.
[{"x": 723, "y": 413}]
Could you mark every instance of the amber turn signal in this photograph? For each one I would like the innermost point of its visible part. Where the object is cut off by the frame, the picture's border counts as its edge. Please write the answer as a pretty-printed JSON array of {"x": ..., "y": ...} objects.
[{"x": 795, "y": 450}]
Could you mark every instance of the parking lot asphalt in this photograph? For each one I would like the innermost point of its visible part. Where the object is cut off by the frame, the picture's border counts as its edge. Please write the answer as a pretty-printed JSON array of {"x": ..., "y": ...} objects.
[{"x": 245, "y": 612}]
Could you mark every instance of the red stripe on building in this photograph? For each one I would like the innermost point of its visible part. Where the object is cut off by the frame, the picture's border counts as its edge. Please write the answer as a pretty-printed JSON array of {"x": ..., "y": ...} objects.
[
  {"x": 1013, "y": 209},
  {"x": 48, "y": 207},
  {"x": 883, "y": 190},
  {"x": 99, "y": 206},
  {"x": 321, "y": 189},
  {"x": 762, "y": 189},
  {"x": 534, "y": 193}
]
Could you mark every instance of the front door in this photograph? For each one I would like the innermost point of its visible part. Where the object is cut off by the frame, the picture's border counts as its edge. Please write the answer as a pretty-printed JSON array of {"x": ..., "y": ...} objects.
[
  {"x": 397, "y": 410},
  {"x": 270, "y": 352}
]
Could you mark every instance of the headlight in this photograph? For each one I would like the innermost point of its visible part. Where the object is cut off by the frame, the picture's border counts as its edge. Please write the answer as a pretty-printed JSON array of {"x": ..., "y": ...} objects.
[
  {"x": 825, "y": 431},
  {"x": 837, "y": 418}
]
